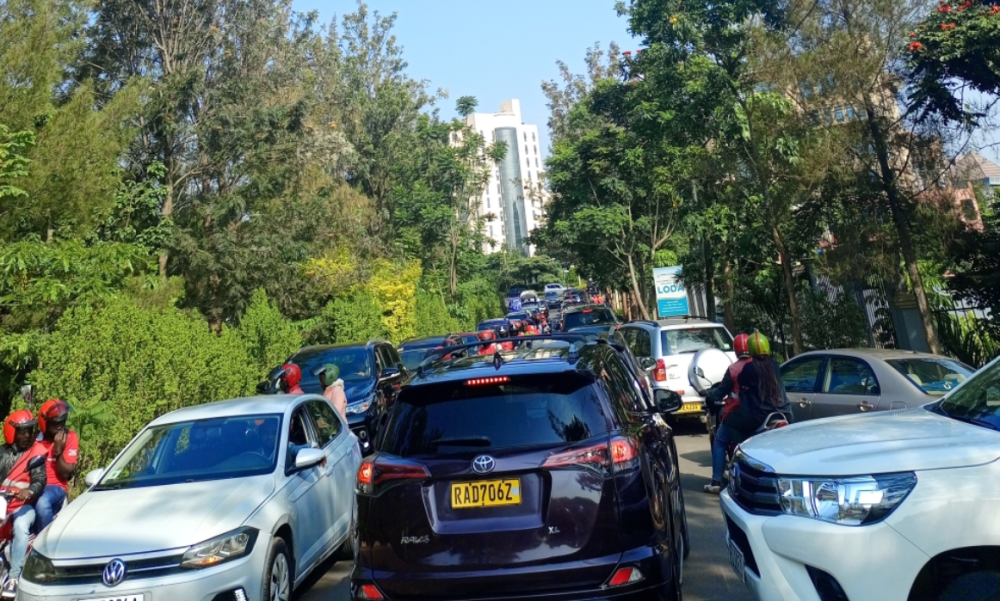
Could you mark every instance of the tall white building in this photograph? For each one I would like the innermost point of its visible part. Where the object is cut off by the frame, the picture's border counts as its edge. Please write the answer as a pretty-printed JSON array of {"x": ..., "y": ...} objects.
[{"x": 515, "y": 194}]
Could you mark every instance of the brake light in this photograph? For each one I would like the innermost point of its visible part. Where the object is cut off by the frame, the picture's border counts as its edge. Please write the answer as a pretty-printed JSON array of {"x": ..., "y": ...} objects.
[
  {"x": 623, "y": 455},
  {"x": 487, "y": 381},
  {"x": 370, "y": 591},
  {"x": 587, "y": 311},
  {"x": 372, "y": 475},
  {"x": 626, "y": 576},
  {"x": 660, "y": 375}
]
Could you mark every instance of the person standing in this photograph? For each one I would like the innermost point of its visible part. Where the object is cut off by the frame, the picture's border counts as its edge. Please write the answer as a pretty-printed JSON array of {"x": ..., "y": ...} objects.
[
  {"x": 333, "y": 388},
  {"x": 63, "y": 447}
]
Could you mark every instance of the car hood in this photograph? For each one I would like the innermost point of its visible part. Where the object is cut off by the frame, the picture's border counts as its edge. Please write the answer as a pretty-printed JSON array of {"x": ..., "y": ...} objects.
[
  {"x": 877, "y": 443},
  {"x": 139, "y": 520},
  {"x": 358, "y": 391}
]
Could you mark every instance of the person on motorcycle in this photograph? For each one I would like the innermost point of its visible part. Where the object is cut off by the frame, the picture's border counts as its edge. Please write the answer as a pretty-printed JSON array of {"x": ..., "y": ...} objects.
[
  {"x": 503, "y": 333},
  {"x": 24, "y": 484},
  {"x": 761, "y": 395},
  {"x": 289, "y": 379},
  {"x": 726, "y": 395},
  {"x": 63, "y": 447},
  {"x": 491, "y": 348},
  {"x": 333, "y": 388},
  {"x": 531, "y": 329}
]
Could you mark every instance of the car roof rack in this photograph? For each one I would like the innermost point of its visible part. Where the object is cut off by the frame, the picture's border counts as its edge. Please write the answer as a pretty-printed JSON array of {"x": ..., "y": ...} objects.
[{"x": 434, "y": 355}]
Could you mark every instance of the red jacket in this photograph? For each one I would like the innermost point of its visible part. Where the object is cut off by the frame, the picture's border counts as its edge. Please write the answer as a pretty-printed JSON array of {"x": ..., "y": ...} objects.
[{"x": 733, "y": 400}]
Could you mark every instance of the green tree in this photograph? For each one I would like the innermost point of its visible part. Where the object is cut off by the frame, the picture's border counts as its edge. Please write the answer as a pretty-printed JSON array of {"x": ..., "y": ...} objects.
[{"x": 466, "y": 105}]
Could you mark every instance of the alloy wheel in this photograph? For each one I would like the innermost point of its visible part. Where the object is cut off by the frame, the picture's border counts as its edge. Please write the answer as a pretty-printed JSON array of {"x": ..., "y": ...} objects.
[{"x": 280, "y": 581}]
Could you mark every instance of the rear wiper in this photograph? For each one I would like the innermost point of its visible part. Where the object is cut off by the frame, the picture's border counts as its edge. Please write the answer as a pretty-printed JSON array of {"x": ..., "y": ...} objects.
[{"x": 466, "y": 441}]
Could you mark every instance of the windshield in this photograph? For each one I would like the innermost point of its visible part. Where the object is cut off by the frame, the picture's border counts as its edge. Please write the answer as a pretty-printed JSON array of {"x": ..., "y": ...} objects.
[
  {"x": 692, "y": 340},
  {"x": 978, "y": 400},
  {"x": 354, "y": 362},
  {"x": 197, "y": 451},
  {"x": 587, "y": 317},
  {"x": 933, "y": 376},
  {"x": 528, "y": 411},
  {"x": 412, "y": 358}
]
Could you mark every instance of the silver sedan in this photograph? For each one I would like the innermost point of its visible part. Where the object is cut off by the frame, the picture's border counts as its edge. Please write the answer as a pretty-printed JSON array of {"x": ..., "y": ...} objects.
[
  {"x": 837, "y": 382},
  {"x": 234, "y": 500}
]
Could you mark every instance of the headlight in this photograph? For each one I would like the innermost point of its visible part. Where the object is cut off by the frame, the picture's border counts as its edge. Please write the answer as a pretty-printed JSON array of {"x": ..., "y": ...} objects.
[
  {"x": 359, "y": 407},
  {"x": 38, "y": 568},
  {"x": 848, "y": 501},
  {"x": 231, "y": 545}
]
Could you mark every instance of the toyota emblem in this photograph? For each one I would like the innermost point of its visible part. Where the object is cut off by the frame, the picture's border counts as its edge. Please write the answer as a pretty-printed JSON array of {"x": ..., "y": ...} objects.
[
  {"x": 114, "y": 572},
  {"x": 483, "y": 464}
]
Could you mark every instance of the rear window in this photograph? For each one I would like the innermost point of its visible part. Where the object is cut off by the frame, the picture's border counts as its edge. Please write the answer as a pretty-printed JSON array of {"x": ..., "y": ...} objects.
[
  {"x": 588, "y": 317},
  {"x": 412, "y": 358},
  {"x": 934, "y": 376},
  {"x": 455, "y": 417},
  {"x": 692, "y": 340}
]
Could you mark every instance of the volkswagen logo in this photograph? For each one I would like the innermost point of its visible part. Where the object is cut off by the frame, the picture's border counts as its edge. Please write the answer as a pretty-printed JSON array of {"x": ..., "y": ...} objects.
[
  {"x": 114, "y": 572},
  {"x": 483, "y": 464}
]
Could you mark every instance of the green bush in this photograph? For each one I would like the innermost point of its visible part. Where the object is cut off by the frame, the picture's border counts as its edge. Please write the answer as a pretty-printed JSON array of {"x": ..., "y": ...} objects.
[
  {"x": 121, "y": 366},
  {"x": 433, "y": 317},
  {"x": 353, "y": 318}
]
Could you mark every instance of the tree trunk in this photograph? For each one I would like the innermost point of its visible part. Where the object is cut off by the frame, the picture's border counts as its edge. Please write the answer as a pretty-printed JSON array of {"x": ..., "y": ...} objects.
[
  {"x": 709, "y": 261},
  {"x": 793, "y": 305},
  {"x": 167, "y": 213},
  {"x": 730, "y": 292},
  {"x": 636, "y": 290},
  {"x": 453, "y": 268},
  {"x": 900, "y": 220}
]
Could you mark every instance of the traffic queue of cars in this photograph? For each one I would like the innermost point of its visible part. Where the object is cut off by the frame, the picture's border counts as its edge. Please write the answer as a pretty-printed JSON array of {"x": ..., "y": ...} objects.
[{"x": 548, "y": 470}]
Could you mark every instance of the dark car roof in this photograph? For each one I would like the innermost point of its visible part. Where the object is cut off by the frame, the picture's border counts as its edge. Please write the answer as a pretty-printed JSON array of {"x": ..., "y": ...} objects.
[
  {"x": 481, "y": 366},
  {"x": 578, "y": 308},
  {"x": 418, "y": 343},
  {"x": 322, "y": 348}
]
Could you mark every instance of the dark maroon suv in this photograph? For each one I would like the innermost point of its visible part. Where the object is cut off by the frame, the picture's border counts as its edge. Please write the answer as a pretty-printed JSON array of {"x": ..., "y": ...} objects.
[{"x": 543, "y": 475}]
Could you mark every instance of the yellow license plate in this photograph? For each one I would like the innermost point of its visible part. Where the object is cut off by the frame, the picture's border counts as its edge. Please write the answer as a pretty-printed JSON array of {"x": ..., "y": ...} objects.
[
  {"x": 485, "y": 493},
  {"x": 689, "y": 408}
]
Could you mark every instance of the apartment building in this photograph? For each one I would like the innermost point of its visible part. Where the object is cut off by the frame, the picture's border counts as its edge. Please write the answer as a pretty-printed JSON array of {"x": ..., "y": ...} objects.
[{"x": 515, "y": 195}]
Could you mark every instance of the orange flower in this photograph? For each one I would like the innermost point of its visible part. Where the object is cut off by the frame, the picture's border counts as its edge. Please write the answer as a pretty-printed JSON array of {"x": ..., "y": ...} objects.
[
  {"x": 995, "y": 9},
  {"x": 913, "y": 34},
  {"x": 914, "y": 46},
  {"x": 944, "y": 26}
]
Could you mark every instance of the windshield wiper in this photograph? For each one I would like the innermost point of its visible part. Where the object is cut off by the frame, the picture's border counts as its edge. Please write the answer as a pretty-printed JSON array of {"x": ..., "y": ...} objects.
[
  {"x": 971, "y": 420},
  {"x": 466, "y": 441}
]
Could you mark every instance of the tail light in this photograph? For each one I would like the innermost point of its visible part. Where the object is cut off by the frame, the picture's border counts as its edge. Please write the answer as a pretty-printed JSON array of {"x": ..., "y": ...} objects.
[
  {"x": 620, "y": 455},
  {"x": 626, "y": 576},
  {"x": 369, "y": 591},
  {"x": 371, "y": 475},
  {"x": 660, "y": 373}
]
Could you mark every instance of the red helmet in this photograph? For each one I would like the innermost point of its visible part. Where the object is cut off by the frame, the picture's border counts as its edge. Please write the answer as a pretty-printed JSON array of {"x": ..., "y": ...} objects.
[
  {"x": 742, "y": 345},
  {"x": 52, "y": 410},
  {"x": 487, "y": 335},
  {"x": 22, "y": 418},
  {"x": 291, "y": 375}
]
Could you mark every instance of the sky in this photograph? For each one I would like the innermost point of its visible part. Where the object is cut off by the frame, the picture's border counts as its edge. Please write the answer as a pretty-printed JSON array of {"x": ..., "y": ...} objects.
[{"x": 493, "y": 50}]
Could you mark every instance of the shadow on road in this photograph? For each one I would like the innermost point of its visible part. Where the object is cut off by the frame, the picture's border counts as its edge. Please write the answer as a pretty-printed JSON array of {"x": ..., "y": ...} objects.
[{"x": 330, "y": 580}]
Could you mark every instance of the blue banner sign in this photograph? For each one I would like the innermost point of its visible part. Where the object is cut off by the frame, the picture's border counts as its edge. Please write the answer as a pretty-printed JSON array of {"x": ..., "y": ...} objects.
[{"x": 671, "y": 294}]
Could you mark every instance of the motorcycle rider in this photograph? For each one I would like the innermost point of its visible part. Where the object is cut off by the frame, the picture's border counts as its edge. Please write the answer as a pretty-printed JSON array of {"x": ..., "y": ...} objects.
[
  {"x": 21, "y": 446},
  {"x": 727, "y": 393},
  {"x": 761, "y": 394},
  {"x": 491, "y": 348},
  {"x": 289, "y": 379},
  {"x": 504, "y": 334},
  {"x": 63, "y": 446}
]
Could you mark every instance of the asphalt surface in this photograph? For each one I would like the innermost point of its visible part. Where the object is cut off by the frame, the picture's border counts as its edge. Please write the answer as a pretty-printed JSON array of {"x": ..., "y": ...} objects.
[{"x": 707, "y": 575}]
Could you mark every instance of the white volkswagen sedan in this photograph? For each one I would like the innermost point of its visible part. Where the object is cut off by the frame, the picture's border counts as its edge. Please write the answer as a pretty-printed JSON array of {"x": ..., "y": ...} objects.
[{"x": 227, "y": 501}]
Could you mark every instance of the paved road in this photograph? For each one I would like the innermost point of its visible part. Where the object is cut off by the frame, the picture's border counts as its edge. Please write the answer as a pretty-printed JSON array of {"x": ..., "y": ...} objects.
[{"x": 707, "y": 575}]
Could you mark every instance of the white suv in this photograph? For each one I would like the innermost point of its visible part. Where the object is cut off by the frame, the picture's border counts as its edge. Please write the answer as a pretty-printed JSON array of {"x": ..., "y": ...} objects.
[{"x": 888, "y": 506}]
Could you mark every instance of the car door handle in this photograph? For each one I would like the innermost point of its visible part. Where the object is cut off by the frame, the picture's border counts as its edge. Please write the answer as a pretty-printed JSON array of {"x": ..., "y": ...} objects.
[
  {"x": 865, "y": 406},
  {"x": 804, "y": 403}
]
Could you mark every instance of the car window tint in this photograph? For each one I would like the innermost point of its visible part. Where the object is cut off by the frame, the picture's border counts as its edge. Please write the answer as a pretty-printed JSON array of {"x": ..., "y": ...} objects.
[
  {"x": 800, "y": 376},
  {"x": 850, "y": 376},
  {"x": 643, "y": 344},
  {"x": 588, "y": 317},
  {"x": 326, "y": 421},
  {"x": 692, "y": 340},
  {"x": 626, "y": 393},
  {"x": 354, "y": 362},
  {"x": 457, "y": 417}
]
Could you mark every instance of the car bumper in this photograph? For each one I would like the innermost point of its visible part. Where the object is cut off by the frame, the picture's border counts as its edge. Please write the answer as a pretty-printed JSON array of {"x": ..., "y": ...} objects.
[
  {"x": 192, "y": 585},
  {"x": 784, "y": 554},
  {"x": 363, "y": 426}
]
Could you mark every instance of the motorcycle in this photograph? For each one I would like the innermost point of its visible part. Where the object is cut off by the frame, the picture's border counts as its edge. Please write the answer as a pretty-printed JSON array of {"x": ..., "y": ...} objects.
[{"x": 7, "y": 525}]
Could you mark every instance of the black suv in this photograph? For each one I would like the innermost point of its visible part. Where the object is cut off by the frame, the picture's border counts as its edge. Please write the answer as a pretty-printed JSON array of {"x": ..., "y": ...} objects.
[
  {"x": 372, "y": 373},
  {"x": 541, "y": 472}
]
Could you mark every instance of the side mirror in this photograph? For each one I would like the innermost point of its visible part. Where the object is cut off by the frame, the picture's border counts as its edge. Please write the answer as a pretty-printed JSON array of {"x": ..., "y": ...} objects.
[
  {"x": 388, "y": 373},
  {"x": 264, "y": 387},
  {"x": 647, "y": 363},
  {"x": 93, "y": 476},
  {"x": 308, "y": 458},
  {"x": 667, "y": 401}
]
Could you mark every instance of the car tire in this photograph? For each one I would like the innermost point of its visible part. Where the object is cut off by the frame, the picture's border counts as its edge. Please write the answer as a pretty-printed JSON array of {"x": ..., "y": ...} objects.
[
  {"x": 978, "y": 586},
  {"x": 674, "y": 590},
  {"x": 278, "y": 578},
  {"x": 685, "y": 533},
  {"x": 346, "y": 550}
]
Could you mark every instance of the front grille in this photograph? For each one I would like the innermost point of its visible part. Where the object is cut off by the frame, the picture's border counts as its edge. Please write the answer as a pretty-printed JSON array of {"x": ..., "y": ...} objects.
[
  {"x": 754, "y": 490},
  {"x": 137, "y": 568},
  {"x": 739, "y": 539}
]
